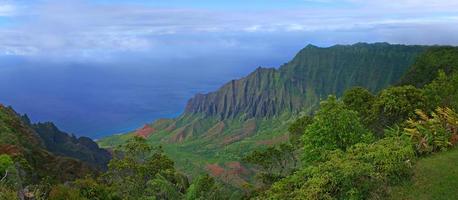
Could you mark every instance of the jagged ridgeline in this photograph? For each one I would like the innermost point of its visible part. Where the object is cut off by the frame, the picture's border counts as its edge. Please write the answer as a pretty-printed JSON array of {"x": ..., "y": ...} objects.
[
  {"x": 312, "y": 74},
  {"x": 219, "y": 127},
  {"x": 20, "y": 141}
]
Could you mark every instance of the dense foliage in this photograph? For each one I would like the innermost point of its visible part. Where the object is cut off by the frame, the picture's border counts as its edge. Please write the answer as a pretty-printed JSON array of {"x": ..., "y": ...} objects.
[
  {"x": 443, "y": 91},
  {"x": 297, "y": 128},
  {"x": 410, "y": 122},
  {"x": 334, "y": 127},
  {"x": 427, "y": 66},
  {"x": 356, "y": 147},
  {"x": 360, "y": 100},
  {"x": 395, "y": 105},
  {"x": 437, "y": 132},
  {"x": 141, "y": 171},
  {"x": 138, "y": 171},
  {"x": 355, "y": 174}
]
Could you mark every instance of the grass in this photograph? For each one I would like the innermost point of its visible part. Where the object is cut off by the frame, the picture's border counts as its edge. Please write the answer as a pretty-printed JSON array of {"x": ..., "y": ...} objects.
[
  {"x": 435, "y": 177},
  {"x": 193, "y": 155}
]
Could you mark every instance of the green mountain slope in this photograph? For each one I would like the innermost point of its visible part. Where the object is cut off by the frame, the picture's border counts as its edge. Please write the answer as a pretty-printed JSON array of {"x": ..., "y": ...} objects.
[
  {"x": 62, "y": 144},
  {"x": 425, "y": 69},
  {"x": 20, "y": 141},
  {"x": 48, "y": 152},
  {"x": 312, "y": 74},
  {"x": 218, "y": 128}
]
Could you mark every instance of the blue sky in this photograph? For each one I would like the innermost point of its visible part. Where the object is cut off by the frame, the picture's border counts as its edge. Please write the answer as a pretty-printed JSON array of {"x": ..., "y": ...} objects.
[
  {"x": 97, "y": 67},
  {"x": 234, "y": 4}
]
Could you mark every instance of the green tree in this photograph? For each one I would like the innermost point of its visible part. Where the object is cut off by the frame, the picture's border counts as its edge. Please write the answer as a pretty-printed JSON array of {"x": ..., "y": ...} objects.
[
  {"x": 334, "y": 127},
  {"x": 360, "y": 100},
  {"x": 6, "y": 162},
  {"x": 426, "y": 67},
  {"x": 273, "y": 162},
  {"x": 359, "y": 173},
  {"x": 63, "y": 192},
  {"x": 443, "y": 91},
  {"x": 138, "y": 165},
  {"x": 90, "y": 188},
  {"x": 395, "y": 105},
  {"x": 297, "y": 129},
  {"x": 205, "y": 187}
]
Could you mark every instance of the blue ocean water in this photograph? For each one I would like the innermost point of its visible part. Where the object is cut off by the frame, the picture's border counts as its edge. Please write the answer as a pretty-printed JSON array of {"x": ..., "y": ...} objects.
[{"x": 97, "y": 99}]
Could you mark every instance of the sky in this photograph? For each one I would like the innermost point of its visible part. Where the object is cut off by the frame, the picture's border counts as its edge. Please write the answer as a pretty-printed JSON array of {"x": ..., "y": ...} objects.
[{"x": 98, "y": 67}]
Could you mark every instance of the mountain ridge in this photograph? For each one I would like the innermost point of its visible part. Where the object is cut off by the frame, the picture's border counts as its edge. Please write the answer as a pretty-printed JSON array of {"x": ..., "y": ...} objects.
[
  {"x": 242, "y": 115},
  {"x": 267, "y": 92},
  {"x": 20, "y": 141}
]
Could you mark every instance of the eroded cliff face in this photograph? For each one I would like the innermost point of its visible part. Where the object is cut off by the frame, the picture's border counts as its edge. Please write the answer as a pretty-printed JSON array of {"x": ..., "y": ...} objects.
[
  {"x": 312, "y": 75},
  {"x": 247, "y": 114},
  {"x": 258, "y": 95}
]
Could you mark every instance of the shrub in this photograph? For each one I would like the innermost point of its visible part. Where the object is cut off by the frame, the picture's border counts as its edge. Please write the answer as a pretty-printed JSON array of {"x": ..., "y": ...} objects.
[
  {"x": 5, "y": 163},
  {"x": 7, "y": 193},
  {"x": 360, "y": 100},
  {"x": 436, "y": 132},
  {"x": 62, "y": 192},
  {"x": 333, "y": 127},
  {"x": 359, "y": 173},
  {"x": 395, "y": 105}
]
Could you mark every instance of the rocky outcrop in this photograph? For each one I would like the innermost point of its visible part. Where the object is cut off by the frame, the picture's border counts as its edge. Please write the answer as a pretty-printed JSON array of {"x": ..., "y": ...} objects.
[{"x": 145, "y": 132}]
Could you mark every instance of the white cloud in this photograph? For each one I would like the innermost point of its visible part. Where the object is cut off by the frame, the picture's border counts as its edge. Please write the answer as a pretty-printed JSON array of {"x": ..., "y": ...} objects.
[
  {"x": 6, "y": 9},
  {"x": 79, "y": 27}
]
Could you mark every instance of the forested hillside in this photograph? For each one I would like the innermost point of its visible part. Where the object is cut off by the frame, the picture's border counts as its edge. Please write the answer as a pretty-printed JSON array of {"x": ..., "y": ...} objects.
[
  {"x": 217, "y": 129},
  {"x": 27, "y": 149},
  {"x": 63, "y": 144}
]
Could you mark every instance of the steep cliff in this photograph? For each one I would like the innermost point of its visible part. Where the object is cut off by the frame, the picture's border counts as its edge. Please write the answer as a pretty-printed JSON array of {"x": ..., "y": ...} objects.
[{"x": 313, "y": 74}]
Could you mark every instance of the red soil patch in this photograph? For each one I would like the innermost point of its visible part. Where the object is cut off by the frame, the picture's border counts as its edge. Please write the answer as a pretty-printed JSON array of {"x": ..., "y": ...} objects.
[
  {"x": 232, "y": 173},
  {"x": 145, "y": 132},
  {"x": 215, "y": 170},
  {"x": 236, "y": 168},
  {"x": 10, "y": 150}
]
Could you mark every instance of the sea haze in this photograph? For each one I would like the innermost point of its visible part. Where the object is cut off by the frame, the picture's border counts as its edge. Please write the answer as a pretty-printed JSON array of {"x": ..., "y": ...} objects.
[{"x": 96, "y": 99}]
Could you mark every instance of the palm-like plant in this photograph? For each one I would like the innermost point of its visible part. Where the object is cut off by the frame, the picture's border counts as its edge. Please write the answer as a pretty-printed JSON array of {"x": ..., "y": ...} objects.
[{"x": 435, "y": 132}]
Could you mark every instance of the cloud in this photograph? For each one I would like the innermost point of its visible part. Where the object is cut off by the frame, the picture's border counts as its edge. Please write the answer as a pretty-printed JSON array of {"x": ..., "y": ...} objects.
[
  {"x": 78, "y": 28},
  {"x": 6, "y": 9}
]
